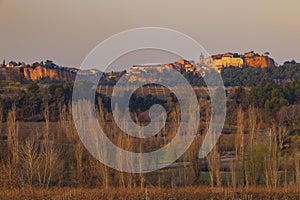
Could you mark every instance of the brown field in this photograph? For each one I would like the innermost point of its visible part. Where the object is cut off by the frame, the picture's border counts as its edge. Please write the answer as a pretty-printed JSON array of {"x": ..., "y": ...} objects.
[{"x": 152, "y": 193}]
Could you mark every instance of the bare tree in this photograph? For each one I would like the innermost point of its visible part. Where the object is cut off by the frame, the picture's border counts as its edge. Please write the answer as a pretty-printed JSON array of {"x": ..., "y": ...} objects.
[
  {"x": 271, "y": 162},
  {"x": 79, "y": 164},
  {"x": 62, "y": 122},
  {"x": 297, "y": 168},
  {"x": 193, "y": 151},
  {"x": 49, "y": 164},
  {"x": 239, "y": 145},
  {"x": 120, "y": 143},
  {"x": 282, "y": 136},
  {"x": 102, "y": 169},
  {"x": 29, "y": 160},
  {"x": 233, "y": 170},
  {"x": 92, "y": 167},
  {"x": 130, "y": 178},
  {"x": 252, "y": 126},
  {"x": 141, "y": 175},
  {"x": 47, "y": 121},
  {"x": 251, "y": 164},
  {"x": 214, "y": 164},
  {"x": 239, "y": 138},
  {"x": 13, "y": 135},
  {"x": 66, "y": 128},
  {"x": 285, "y": 168},
  {"x": 193, "y": 154},
  {"x": 287, "y": 116}
]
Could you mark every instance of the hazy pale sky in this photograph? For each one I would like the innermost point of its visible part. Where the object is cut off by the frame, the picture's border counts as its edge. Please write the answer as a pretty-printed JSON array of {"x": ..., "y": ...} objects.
[{"x": 65, "y": 31}]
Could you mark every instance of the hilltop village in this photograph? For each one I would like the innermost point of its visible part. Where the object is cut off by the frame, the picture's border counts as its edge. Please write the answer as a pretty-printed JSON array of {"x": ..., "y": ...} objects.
[
  {"x": 217, "y": 62},
  {"x": 250, "y": 59},
  {"x": 21, "y": 72}
]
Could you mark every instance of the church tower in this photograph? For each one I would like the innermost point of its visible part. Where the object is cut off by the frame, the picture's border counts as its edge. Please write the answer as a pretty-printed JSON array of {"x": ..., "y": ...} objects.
[{"x": 201, "y": 58}]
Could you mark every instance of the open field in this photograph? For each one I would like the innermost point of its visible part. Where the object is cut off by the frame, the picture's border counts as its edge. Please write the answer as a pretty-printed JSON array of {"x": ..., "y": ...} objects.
[{"x": 152, "y": 193}]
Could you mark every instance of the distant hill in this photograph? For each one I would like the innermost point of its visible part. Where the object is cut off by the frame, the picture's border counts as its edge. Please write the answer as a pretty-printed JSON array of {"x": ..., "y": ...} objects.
[
  {"x": 50, "y": 72},
  {"x": 21, "y": 72},
  {"x": 43, "y": 71}
]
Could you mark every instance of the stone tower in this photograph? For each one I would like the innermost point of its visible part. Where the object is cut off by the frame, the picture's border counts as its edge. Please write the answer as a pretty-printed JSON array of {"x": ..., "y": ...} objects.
[{"x": 201, "y": 58}]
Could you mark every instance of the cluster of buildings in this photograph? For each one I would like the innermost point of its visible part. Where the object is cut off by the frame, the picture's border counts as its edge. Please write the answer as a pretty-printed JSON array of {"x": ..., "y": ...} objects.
[
  {"x": 217, "y": 62},
  {"x": 250, "y": 59},
  {"x": 139, "y": 72},
  {"x": 180, "y": 65}
]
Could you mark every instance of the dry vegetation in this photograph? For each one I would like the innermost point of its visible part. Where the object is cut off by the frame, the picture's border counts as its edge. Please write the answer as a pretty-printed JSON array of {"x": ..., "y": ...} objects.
[
  {"x": 191, "y": 193},
  {"x": 52, "y": 163}
]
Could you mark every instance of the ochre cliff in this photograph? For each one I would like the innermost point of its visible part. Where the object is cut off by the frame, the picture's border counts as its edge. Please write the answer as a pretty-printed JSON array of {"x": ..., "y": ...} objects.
[
  {"x": 259, "y": 61},
  {"x": 41, "y": 72}
]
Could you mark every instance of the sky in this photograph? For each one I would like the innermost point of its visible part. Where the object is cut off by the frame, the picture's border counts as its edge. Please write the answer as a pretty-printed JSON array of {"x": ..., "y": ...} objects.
[{"x": 65, "y": 31}]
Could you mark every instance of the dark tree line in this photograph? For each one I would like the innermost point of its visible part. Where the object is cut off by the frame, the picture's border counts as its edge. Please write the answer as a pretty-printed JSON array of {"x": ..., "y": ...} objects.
[
  {"x": 269, "y": 89},
  {"x": 249, "y": 76}
]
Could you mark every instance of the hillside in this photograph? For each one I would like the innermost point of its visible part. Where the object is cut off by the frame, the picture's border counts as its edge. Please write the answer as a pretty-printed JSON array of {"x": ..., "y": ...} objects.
[
  {"x": 49, "y": 71},
  {"x": 21, "y": 72}
]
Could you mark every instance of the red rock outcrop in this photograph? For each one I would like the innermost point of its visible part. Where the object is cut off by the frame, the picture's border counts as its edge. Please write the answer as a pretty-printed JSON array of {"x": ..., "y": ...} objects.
[
  {"x": 41, "y": 72},
  {"x": 259, "y": 61}
]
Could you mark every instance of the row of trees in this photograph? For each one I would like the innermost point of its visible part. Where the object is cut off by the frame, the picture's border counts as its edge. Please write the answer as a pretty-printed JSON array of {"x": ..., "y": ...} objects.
[
  {"x": 269, "y": 162},
  {"x": 32, "y": 98},
  {"x": 29, "y": 161},
  {"x": 56, "y": 157},
  {"x": 249, "y": 76},
  {"x": 268, "y": 96},
  {"x": 271, "y": 89}
]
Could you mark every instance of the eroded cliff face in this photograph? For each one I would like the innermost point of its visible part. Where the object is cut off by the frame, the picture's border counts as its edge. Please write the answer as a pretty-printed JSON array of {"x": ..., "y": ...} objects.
[
  {"x": 259, "y": 61},
  {"x": 41, "y": 72}
]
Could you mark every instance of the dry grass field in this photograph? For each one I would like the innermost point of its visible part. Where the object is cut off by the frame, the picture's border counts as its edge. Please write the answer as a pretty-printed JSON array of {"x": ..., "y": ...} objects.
[{"x": 152, "y": 193}]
